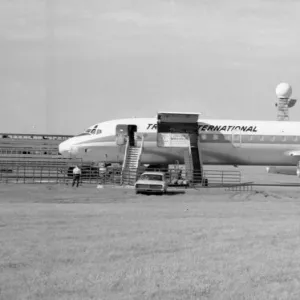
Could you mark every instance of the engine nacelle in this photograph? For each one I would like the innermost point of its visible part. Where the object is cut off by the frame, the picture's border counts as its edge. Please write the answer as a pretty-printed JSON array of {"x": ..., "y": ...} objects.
[{"x": 291, "y": 170}]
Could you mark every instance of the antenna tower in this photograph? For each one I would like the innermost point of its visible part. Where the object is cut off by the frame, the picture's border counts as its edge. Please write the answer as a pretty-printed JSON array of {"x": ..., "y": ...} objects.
[
  {"x": 284, "y": 102},
  {"x": 282, "y": 110}
]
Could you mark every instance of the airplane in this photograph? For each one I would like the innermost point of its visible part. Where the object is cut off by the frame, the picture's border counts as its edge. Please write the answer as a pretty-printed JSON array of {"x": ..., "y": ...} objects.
[{"x": 223, "y": 142}]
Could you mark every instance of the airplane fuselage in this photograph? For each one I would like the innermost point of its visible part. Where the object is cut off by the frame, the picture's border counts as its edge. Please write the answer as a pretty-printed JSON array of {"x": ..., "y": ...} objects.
[{"x": 223, "y": 142}]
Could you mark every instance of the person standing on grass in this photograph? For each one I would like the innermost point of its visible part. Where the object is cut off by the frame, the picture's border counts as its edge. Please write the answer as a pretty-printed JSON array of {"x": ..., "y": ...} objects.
[{"x": 76, "y": 176}]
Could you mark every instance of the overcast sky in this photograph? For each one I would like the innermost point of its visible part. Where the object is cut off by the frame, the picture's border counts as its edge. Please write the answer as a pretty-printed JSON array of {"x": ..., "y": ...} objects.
[{"x": 67, "y": 64}]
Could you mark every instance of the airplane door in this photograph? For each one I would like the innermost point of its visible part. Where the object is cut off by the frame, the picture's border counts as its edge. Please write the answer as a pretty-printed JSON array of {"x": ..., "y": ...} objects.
[
  {"x": 124, "y": 132},
  {"x": 236, "y": 138},
  {"x": 121, "y": 134},
  {"x": 132, "y": 129}
]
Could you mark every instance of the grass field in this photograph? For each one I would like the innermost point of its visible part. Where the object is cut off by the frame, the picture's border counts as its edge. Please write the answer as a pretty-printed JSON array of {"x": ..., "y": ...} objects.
[{"x": 62, "y": 243}]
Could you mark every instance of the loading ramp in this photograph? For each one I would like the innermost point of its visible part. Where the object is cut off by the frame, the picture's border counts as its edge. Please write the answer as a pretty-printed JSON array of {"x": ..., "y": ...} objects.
[{"x": 181, "y": 130}]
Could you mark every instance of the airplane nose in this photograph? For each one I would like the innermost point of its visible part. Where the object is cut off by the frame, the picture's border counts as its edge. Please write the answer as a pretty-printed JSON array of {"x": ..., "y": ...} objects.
[
  {"x": 64, "y": 149},
  {"x": 74, "y": 150},
  {"x": 68, "y": 150}
]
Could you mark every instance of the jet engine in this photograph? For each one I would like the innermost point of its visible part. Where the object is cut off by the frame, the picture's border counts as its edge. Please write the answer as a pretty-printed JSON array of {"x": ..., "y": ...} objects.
[{"x": 292, "y": 170}]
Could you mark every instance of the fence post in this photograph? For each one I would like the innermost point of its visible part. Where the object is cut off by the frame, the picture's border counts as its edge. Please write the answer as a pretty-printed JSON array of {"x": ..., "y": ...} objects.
[
  {"x": 90, "y": 174},
  {"x": 64, "y": 173},
  {"x": 17, "y": 169},
  {"x": 33, "y": 174},
  {"x": 49, "y": 173},
  {"x": 98, "y": 176},
  {"x": 24, "y": 172}
]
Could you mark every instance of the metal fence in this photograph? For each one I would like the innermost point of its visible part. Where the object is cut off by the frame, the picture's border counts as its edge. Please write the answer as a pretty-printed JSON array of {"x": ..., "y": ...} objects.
[
  {"x": 60, "y": 171},
  {"x": 53, "y": 171},
  {"x": 35, "y": 170},
  {"x": 175, "y": 177}
]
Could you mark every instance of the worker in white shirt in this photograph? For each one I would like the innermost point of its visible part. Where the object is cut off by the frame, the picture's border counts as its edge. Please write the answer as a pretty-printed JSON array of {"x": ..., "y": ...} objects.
[{"x": 76, "y": 175}]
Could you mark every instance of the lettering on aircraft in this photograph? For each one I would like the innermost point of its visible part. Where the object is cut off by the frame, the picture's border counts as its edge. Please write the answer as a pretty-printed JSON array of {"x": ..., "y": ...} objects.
[
  {"x": 152, "y": 126},
  {"x": 216, "y": 128},
  {"x": 227, "y": 128}
]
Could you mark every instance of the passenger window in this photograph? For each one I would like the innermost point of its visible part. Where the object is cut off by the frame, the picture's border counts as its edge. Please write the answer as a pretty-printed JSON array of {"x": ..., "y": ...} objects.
[
  {"x": 261, "y": 138},
  {"x": 203, "y": 136},
  {"x": 250, "y": 137},
  {"x": 295, "y": 138},
  {"x": 273, "y": 138},
  {"x": 99, "y": 131},
  {"x": 284, "y": 138},
  {"x": 215, "y": 137}
]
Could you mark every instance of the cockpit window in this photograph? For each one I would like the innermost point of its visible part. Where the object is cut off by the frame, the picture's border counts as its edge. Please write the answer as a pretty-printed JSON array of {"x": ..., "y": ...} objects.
[{"x": 90, "y": 131}]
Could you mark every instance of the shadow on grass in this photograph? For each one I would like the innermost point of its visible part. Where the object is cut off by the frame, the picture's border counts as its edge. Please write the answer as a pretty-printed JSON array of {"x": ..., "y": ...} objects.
[
  {"x": 175, "y": 192},
  {"x": 168, "y": 193}
]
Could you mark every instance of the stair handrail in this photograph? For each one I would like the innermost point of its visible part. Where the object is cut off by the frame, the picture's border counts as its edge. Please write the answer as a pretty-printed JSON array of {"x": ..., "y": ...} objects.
[
  {"x": 141, "y": 147},
  {"x": 124, "y": 159},
  {"x": 191, "y": 167},
  {"x": 142, "y": 144},
  {"x": 125, "y": 154},
  {"x": 200, "y": 158},
  {"x": 140, "y": 152}
]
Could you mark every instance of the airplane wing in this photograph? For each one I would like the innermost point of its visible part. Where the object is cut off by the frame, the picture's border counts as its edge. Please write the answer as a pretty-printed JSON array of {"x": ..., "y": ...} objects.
[{"x": 292, "y": 153}]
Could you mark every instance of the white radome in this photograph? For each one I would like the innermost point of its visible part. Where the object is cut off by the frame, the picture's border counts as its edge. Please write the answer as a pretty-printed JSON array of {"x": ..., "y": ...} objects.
[{"x": 283, "y": 90}]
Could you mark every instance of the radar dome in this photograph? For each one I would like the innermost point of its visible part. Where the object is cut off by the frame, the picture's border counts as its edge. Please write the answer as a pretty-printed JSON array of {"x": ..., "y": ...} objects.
[{"x": 283, "y": 90}]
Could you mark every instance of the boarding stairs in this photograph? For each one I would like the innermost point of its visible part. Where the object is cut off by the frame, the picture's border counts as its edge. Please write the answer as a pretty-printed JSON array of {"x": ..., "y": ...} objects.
[
  {"x": 131, "y": 163},
  {"x": 192, "y": 160}
]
